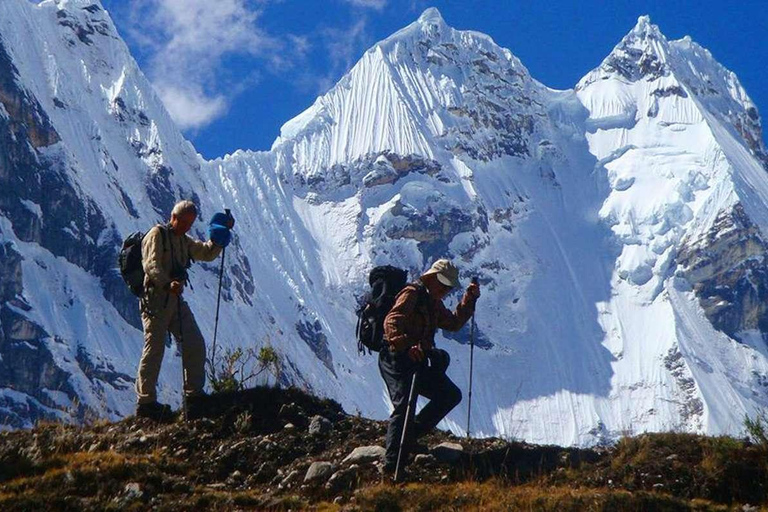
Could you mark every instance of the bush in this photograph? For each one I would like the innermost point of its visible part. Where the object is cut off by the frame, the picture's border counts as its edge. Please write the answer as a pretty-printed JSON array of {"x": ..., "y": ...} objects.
[
  {"x": 757, "y": 428},
  {"x": 237, "y": 367}
]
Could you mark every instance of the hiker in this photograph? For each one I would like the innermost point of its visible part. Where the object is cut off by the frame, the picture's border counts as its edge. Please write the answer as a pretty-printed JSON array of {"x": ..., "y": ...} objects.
[
  {"x": 409, "y": 331},
  {"x": 166, "y": 254}
]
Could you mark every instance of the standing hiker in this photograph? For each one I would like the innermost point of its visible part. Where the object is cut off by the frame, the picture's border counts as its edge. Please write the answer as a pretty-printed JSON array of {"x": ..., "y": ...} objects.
[
  {"x": 166, "y": 254},
  {"x": 409, "y": 330}
]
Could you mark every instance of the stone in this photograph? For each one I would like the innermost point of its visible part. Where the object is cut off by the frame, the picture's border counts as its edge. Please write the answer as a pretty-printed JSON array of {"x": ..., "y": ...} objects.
[
  {"x": 344, "y": 479},
  {"x": 319, "y": 470},
  {"x": 447, "y": 452},
  {"x": 133, "y": 491},
  {"x": 320, "y": 425},
  {"x": 288, "y": 480},
  {"x": 363, "y": 454},
  {"x": 423, "y": 458}
]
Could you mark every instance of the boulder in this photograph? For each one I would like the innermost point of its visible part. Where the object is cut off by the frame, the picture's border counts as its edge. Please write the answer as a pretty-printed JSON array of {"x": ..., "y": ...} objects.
[
  {"x": 344, "y": 479},
  {"x": 363, "y": 454},
  {"x": 447, "y": 452},
  {"x": 320, "y": 425},
  {"x": 423, "y": 458},
  {"x": 318, "y": 471}
]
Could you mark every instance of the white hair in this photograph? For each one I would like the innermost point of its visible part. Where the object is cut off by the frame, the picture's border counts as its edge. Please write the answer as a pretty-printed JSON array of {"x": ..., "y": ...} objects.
[{"x": 184, "y": 207}]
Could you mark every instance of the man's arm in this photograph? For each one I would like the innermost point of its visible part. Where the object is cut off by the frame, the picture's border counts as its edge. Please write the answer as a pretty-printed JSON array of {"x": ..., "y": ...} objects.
[
  {"x": 451, "y": 321},
  {"x": 152, "y": 258},
  {"x": 398, "y": 317},
  {"x": 203, "y": 251}
]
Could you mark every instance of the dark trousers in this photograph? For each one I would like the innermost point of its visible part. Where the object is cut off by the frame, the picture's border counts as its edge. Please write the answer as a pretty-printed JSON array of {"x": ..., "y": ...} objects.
[{"x": 397, "y": 370}]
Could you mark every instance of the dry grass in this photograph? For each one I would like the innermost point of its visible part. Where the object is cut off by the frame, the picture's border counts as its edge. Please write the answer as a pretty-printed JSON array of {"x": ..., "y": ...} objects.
[{"x": 493, "y": 496}]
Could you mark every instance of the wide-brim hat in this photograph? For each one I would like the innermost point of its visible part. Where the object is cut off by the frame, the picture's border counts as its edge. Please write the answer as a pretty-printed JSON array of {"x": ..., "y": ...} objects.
[{"x": 446, "y": 272}]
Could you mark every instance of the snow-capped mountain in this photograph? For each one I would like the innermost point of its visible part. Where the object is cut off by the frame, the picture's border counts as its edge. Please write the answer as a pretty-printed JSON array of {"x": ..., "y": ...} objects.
[{"x": 617, "y": 228}]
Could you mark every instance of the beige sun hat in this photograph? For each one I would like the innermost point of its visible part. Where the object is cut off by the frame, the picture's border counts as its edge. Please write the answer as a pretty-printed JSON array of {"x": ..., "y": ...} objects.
[{"x": 446, "y": 273}]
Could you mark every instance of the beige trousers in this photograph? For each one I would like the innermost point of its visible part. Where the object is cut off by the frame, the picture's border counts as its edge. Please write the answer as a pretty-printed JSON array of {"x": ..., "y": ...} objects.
[{"x": 156, "y": 327}]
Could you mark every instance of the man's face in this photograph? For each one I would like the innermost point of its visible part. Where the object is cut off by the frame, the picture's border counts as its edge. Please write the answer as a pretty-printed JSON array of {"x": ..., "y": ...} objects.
[
  {"x": 441, "y": 289},
  {"x": 183, "y": 223},
  {"x": 437, "y": 289}
]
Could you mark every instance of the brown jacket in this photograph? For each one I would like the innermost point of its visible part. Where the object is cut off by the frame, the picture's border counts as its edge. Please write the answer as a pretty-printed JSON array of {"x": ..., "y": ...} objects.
[
  {"x": 156, "y": 259},
  {"x": 412, "y": 320}
]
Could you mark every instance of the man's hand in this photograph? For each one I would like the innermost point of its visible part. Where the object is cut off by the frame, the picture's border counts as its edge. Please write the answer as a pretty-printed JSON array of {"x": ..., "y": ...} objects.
[
  {"x": 416, "y": 353},
  {"x": 176, "y": 287},
  {"x": 473, "y": 291}
]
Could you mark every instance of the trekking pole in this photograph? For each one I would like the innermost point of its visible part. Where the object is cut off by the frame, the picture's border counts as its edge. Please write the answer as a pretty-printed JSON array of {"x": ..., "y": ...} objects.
[
  {"x": 411, "y": 397},
  {"x": 471, "y": 365},
  {"x": 218, "y": 305},
  {"x": 180, "y": 342}
]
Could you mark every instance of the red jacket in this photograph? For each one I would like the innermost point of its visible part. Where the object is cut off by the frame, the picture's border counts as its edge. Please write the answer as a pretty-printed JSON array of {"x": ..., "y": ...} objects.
[{"x": 413, "y": 319}]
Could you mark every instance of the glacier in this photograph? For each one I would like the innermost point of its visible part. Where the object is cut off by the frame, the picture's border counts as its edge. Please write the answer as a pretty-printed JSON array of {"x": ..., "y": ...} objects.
[{"x": 617, "y": 228}]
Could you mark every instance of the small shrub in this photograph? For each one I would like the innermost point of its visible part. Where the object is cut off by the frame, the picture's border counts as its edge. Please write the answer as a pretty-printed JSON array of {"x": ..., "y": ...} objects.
[
  {"x": 237, "y": 367},
  {"x": 243, "y": 422},
  {"x": 757, "y": 428}
]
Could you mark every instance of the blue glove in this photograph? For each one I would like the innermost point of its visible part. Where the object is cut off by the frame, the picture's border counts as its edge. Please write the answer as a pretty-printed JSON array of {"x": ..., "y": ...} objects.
[{"x": 219, "y": 235}]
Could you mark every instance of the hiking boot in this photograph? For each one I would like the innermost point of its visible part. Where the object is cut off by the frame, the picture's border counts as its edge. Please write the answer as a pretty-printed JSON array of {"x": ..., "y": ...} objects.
[
  {"x": 194, "y": 406},
  {"x": 154, "y": 411}
]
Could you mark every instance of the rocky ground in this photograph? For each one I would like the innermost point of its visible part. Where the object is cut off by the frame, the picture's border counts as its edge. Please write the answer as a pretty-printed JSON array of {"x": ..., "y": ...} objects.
[{"x": 271, "y": 449}]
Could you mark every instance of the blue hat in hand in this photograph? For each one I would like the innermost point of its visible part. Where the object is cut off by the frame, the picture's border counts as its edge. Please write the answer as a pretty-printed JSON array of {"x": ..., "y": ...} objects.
[
  {"x": 219, "y": 235},
  {"x": 218, "y": 230}
]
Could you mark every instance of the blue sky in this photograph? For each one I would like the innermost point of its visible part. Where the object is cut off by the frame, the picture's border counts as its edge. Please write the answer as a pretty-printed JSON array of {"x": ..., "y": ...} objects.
[{"x": 233, "y": 71}]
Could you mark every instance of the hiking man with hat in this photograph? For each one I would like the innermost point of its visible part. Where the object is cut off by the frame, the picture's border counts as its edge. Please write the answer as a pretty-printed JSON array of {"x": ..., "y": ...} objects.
[
  {"x": 166, "y": 254},
  {"x": 409, "y": 331}
]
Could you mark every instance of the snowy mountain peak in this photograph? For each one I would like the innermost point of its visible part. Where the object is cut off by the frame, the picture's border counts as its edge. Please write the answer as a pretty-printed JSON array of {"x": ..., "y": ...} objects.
[
  {"x": 426, "y": 88},
  {"x": 431, "y": 15},
  {"x": 642, "y": 53},
  {"x": 645, "y": 29},
  {"x": 680, "y": 82}
]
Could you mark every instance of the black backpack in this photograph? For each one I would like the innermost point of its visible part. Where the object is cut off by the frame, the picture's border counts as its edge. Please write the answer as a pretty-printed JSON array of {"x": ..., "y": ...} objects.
[
  {"x": 386, "y": 282},
  {"x": 129, "y": 260}
]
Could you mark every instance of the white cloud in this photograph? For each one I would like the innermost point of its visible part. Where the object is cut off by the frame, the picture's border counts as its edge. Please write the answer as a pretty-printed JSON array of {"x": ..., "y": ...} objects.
[
  {"x": 190, "y": 107},
  {"x": 188, "y": 42},
  {"x": 373, "y": 4}
]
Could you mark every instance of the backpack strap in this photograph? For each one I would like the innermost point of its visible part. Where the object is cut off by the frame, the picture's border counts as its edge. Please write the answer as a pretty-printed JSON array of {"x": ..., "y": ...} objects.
[
  {"x": 423, "y": 297},
  {"x": 164, "y": 234},
  {"x": 422, "y": 301}
]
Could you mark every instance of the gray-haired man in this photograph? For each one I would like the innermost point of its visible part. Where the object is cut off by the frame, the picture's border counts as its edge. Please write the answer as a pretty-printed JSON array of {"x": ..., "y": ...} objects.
[{"x": 167, "y": 251}]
